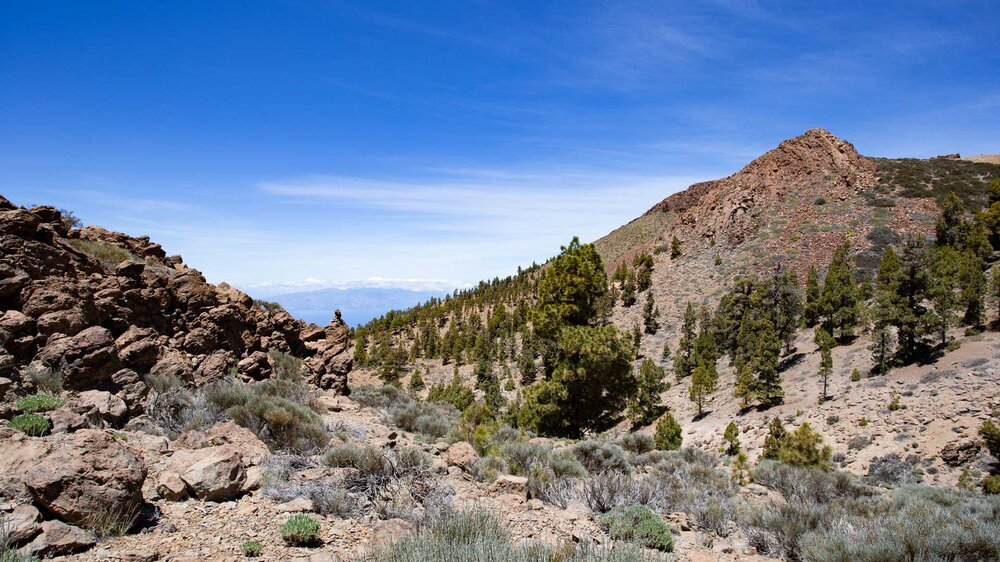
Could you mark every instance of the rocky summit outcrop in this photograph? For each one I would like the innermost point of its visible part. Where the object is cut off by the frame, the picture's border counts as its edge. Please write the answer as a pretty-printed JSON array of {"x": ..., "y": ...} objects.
[
  {"x": 731, "y": 207},
  {"x": 103, "y": 310}
]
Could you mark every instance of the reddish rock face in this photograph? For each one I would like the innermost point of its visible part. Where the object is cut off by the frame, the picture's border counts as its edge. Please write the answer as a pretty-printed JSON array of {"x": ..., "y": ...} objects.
[{"x": 91, "y": 304}]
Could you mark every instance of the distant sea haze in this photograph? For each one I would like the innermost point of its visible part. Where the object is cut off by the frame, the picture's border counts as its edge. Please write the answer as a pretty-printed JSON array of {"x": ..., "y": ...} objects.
[{"x": 357, "y": 305}]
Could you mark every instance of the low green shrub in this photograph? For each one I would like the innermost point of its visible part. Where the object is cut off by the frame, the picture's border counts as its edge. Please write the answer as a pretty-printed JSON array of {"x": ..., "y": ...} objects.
[
  {"x": 252, "y": 549},
  {"x": 521, "y": 457},
  {"x": 38, "y": 403},
  {"x": 808, "y": 485},
  {"x": 890, "y": 471},
  {"x": 638, "y": 523},
  {"x": 489, "y": 468},
  {"x": 300, "y": 530},
  {"x": 31, "y": 424}
]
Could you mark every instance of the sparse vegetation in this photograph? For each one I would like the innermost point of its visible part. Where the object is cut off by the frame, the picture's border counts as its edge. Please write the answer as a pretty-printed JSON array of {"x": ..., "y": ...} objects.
[
  {"x": 107, "y": 254},
  {"x": 479, "y": 537}
]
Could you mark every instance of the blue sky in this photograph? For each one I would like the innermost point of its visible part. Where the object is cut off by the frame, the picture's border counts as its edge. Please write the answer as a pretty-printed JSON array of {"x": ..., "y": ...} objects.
[{"x": 429, "y": 144}]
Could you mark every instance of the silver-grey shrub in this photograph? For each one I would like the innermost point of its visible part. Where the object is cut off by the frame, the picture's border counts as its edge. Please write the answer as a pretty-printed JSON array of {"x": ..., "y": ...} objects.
[
  {"x": 599, "y": 456},
  {"x": 480, "y": 537},
  {"x": 919, "y": 523}
]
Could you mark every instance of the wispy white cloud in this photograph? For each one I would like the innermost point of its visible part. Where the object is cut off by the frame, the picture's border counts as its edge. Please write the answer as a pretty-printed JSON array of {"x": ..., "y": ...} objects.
[
  {"x": 493, "y": 203},
  {"x": 275, "y": 288}
]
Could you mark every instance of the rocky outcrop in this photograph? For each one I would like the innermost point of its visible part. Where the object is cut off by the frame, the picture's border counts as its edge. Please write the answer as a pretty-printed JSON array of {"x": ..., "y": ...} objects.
[{"x": 104, "y": 309}]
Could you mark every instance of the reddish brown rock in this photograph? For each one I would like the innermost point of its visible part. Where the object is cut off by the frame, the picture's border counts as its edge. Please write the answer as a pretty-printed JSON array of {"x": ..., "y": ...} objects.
[
  {"x": 59, "y": 538},
  {"x": 82, "y": 474},
  {"x": 86, "y": 360},
  {"x": 212, "y": 473},
  {"x": 252, "y": 450}
]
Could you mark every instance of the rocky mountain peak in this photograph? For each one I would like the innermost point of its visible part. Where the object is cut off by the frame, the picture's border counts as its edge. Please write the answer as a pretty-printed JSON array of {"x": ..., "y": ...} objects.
[
  {"x": 814, "y": 156},
  {"x": 814, "y": 162}
]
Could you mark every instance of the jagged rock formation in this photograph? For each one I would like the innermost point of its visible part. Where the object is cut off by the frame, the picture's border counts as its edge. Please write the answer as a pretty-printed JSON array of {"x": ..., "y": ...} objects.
[{"x": 104, "y": 310}]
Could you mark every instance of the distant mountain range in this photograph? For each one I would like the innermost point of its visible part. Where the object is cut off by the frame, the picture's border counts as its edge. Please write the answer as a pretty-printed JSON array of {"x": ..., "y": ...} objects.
[{"x": 358, "y": 305}]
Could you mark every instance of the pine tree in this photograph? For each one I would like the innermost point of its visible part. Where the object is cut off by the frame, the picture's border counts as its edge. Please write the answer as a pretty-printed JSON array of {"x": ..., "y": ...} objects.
[
  {"x": 650, "y": 314},
  {"x": 915, "y": 284},
  {"x": 887, "y": 310},
  {"x": 360, "y": 349},
  {"x": 825, "y": 342},
  {"x": 813, "y": 295},
  {"x": 665, "y": 356},
  {"x": 416, "y": 381},
  {"x": 589, "y": 381},
  {"x": 972, "y": 285},
  {"x": 758, "y": 347},
  {"x": 949, "y": 223},
  {"x": 702, "y": 385},
  {"x": 729, "y": 315},
  {"x": 644, "y": 271},
  {"x": 684, "y": 360},
  {"x": 804, "y": 447},
  {"x": 732, "y": 438},
  {"x": 995, "y": 287},
  {"x": 645, "y": 407},
  {"x": 667, "y": 436},
  {"x": 526, "y": 362},
  {"x": 569, "y": 290},
  {"x": 785, "y": 304},
  {"x": 391, "y": 368},
  {"x": 628, "y": 290},
  {"x": 766, "y": 365},
  {"x": 775, "y": 440},
  {"x": 881, "y": 347},
  {"x": 945, "y": 266},
  {"x": 636, "y": 339},
  {"x": 675, "y": 248},
  {"x": 746, "y": 385},
  {"x": 838, "y": 304}
]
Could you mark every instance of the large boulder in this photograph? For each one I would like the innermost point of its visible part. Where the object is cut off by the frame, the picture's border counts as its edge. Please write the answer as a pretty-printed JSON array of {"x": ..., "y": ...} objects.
[
  {"x": 462, "y": 455},
  {"x": 212, "y": 473},
  {"x": 101, "y": 404},
  {"x": 59, "y": 538},
  {"x": 18, "y": 454},
  {"x": 86, "y": 360},
  {"x": 138, "y": 347},
  {"x": 252, "y": 450},
  {"x": 82, "y": 475},
  {"x": 22, "y": 524}
]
